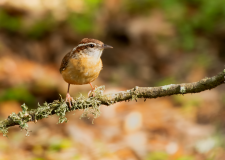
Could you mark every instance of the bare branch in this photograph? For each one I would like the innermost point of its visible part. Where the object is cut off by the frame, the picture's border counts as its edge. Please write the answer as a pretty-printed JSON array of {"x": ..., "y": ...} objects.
[{"x": 91, "y": 105}]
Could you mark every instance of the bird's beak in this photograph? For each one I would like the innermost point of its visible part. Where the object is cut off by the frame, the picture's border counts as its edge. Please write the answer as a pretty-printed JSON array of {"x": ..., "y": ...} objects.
[{"x": 105, "y": 46}]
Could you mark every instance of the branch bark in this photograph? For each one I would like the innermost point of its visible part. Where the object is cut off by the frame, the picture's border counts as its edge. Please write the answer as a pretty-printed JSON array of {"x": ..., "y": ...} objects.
[{"x": 91, "y": 105}]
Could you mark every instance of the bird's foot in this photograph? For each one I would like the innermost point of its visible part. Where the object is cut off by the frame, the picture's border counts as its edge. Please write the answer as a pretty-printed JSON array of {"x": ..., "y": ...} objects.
[
  {"x": 69, "y": 99},
  {"x": 91, "y": 93}
]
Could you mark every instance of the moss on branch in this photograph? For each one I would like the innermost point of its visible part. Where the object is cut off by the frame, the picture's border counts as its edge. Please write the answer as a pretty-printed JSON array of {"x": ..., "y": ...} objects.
[{"x": 91, "y": 105}]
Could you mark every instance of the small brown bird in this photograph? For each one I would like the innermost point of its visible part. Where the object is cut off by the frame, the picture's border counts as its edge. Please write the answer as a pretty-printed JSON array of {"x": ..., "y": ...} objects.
[{"x": 82, "y": 64}]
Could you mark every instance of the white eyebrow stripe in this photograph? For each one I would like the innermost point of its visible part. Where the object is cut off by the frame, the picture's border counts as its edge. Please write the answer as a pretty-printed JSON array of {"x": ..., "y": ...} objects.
[
  {"x": 74, "y": 48},
  {"x": 86, "y": 44}
]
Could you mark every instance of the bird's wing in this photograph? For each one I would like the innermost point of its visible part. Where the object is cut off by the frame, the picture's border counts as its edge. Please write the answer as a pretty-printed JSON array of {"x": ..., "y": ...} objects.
[{"x": 65, "y": 61}]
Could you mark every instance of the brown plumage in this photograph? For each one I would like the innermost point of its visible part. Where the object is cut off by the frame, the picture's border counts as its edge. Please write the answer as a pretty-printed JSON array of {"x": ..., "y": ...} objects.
[
  {"x": 82, "y": 64},
  {"x": 89, "y": 40}
]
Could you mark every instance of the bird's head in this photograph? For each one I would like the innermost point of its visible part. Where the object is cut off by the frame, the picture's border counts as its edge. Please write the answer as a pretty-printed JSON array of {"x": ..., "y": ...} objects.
[{"x": 92, "y": 47}]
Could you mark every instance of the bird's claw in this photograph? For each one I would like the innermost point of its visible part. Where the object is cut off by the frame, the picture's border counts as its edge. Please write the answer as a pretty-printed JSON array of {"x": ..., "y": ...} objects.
[
  {"x": 69, "y": 99},
  {"x": 92, "y": 92}
]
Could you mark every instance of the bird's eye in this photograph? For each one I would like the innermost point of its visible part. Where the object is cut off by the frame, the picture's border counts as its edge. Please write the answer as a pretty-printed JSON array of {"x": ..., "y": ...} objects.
[{"x": 91, "y": 45}]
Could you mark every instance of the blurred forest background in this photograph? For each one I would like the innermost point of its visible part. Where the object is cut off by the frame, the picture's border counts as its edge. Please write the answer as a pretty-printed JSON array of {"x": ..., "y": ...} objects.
[{"x": 155, "y": 43}]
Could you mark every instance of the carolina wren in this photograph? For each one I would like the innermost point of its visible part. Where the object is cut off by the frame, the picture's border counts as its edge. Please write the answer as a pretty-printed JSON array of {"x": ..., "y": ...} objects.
[{"x": 82, "y": 64}]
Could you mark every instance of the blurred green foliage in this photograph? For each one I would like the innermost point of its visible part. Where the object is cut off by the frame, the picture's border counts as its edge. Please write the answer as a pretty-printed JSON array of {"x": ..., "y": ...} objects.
[
  {"x": 164, "y": 156},
  {"x": 92, "y": 5},
  {"x": 189, "y": 105},
  {"x": 81, "y": 23},
  {"x": 10, "y": 23},
  {"x": 186, "y": 158},
  {"x": 60, "y": 144},
  {"x": 157, "y": 156},
  {"x": 204, "y": 60},
  {"x": 138, "y": 6},
  {"x": 190, "y": 17},
  {"x": 166, "y": 81},
  {"x": 20, "y": 94},
  {"x": 41, "y": 27},
  {"x": 85, "y": 22},
  {"x": 77, "y": 157},
  {"x": 196, "y": 17}
]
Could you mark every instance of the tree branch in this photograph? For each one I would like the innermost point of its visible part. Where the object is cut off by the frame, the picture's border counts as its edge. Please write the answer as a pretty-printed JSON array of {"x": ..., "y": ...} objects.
[{"x": 91, "y": 105}]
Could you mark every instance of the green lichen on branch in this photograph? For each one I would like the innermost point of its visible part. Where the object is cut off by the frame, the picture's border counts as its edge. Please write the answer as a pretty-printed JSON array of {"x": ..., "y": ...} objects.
[
  {"x": 182, "y": 89},
  {"x": 91, "y": 105},
  {"x": 58, "y": 107},
  {"x": 21, "y": 119}
]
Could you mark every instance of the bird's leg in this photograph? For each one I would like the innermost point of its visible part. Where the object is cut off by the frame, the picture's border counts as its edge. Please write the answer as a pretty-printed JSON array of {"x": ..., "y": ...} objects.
[
  {"x": 68, "y": 97},
  {"x": 92, "y": 90}
]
